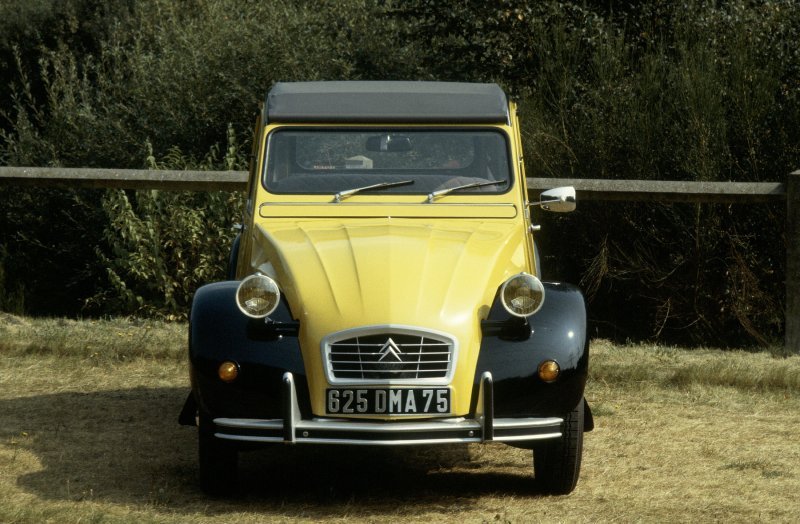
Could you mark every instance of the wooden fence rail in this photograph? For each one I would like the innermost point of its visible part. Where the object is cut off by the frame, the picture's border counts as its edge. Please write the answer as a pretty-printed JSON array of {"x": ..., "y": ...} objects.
[{"x": 587, "y": 189}]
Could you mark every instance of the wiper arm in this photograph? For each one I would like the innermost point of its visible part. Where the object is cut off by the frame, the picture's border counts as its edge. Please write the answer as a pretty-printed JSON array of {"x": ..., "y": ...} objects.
[
  {"x": 341, "y": 195},
  {"x": 442, "y": 192}
]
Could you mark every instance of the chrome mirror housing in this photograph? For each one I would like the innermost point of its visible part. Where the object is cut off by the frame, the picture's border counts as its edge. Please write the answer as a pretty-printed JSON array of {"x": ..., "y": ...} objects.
[{"x": 558, "y": 200}]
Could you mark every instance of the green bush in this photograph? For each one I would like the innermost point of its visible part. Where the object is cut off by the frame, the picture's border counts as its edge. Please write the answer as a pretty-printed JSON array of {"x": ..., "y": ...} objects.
[
  {"x": 140, "y": 81},
  {"x": 658, "y": 90},
  {"x": 160, "y": 246},
  {"x": 706, "y": 102},
  {"x": 654, "y": 90}
]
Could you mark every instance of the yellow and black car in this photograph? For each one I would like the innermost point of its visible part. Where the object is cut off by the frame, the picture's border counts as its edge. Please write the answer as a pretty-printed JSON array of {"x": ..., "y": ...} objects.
[{"x": 384, "y": 289}]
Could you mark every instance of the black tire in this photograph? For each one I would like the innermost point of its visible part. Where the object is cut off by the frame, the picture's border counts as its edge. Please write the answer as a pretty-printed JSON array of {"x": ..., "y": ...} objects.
[
  {"x": 218, "y": 459},
  {"x": 557, "y": 463}
]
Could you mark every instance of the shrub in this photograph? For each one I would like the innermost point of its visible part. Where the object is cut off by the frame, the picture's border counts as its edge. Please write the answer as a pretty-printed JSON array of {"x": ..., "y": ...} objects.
[
  {"x": 162, "y": 80},
  {"x": 657, "y": 90},
  {"x": 646, "y": 90},
  {"x": 159, "y": 246},
  {"x": 700, "y": 97}
]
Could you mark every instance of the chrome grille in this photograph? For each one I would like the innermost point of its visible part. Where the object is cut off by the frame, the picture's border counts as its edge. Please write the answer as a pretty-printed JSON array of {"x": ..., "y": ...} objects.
[{"x": 398, "y": 355}]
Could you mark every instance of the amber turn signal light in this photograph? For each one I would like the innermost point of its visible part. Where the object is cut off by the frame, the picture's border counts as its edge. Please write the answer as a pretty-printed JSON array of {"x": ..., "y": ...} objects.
[
  {"x": 549, "y": 370},
  {"x": 228, "y": 371}
]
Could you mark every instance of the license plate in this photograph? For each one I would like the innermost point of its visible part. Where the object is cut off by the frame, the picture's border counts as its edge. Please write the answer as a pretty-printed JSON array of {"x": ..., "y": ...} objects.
[{"x": 388, "y": 401}]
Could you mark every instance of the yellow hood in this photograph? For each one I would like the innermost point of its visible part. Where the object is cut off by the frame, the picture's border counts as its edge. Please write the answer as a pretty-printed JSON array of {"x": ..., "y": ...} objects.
[{"x": 435, "y": 274}]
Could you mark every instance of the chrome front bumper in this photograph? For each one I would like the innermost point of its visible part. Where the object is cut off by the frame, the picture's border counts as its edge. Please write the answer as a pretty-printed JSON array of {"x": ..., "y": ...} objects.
[{"x": 293, "y": 429}]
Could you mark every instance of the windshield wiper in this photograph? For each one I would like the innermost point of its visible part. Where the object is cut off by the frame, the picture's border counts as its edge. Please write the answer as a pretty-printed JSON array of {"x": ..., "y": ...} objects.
[
  {"x": 442, "y": 192},
  {"x": 341, "y": 195}
]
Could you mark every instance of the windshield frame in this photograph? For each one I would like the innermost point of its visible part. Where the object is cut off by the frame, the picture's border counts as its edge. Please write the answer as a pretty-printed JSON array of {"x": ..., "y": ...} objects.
[{"x": 420, "y": 190}]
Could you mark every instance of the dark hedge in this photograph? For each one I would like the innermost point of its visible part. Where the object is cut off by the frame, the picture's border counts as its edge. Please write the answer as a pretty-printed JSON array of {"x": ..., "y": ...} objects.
[{"x": 655, "y": 90}]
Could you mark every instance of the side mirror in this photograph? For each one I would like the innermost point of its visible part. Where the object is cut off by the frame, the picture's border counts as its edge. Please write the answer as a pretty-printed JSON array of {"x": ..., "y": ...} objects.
[{"x": 558, "y": 200}]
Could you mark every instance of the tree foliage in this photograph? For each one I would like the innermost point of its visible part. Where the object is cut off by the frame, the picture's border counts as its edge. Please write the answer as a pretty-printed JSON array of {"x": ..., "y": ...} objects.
[{"x": 655, "y": 89}]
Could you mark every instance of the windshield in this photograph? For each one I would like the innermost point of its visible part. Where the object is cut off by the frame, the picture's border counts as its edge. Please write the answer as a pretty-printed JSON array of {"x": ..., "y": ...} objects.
[{"x": 327, "y": 161}]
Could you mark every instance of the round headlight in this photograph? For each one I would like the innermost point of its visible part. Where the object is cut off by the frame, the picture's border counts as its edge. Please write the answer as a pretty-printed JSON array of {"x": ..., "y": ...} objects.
[
  {"x": 258, "y": 296},
  {"x": 522, "y": 295}
]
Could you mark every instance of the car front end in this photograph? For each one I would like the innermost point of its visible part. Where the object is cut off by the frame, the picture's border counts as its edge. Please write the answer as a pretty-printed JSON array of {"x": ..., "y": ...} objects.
[{"x": 386, "y": 286}]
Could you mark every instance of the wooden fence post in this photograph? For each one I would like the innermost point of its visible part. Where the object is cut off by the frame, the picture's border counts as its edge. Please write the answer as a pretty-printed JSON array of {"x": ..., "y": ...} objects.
[{"x": 793, "y": 263}]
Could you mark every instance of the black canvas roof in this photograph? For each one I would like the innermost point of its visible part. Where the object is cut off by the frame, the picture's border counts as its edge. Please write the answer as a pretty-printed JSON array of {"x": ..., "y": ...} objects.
[{"x": 386, "y": 101}]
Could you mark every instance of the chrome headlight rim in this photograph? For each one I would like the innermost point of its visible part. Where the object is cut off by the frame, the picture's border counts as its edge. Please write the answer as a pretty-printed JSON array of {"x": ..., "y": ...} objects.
[
  {"x": 250, "y": 306},
  {"x": 533, "y": 283}
]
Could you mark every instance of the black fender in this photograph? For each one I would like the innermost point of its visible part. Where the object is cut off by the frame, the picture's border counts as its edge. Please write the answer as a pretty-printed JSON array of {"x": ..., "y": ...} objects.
[
  {"x": 218, "y": 332},
  {"x": 556, "y": 332}
]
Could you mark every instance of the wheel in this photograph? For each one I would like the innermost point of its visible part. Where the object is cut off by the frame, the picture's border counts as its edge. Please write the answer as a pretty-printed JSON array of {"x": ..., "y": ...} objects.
[
  {"x": 219, "y": 461},
  {"x": 557, "y": 463}
]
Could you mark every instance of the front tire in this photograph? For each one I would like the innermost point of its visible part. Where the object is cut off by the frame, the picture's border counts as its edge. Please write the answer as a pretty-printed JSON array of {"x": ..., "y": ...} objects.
[
  {"x": 218, "y": 459},
  {"x": 557, "y": 463}
]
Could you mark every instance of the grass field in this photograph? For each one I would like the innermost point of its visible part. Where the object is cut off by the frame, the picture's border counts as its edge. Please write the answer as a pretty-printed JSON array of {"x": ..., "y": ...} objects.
[{"x": 88, "y": 433}]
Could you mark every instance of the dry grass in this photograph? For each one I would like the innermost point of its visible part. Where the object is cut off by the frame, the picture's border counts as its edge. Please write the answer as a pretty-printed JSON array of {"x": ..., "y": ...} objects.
[{"x": 89, "y": 434}]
